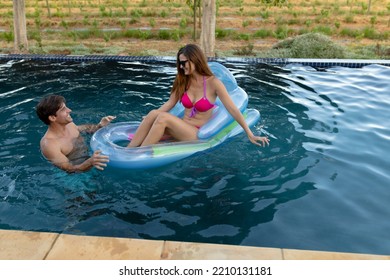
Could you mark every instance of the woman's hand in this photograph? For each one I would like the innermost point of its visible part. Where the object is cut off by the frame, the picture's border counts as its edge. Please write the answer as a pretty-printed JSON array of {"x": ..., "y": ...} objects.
[{"x": 256, "y": 139}]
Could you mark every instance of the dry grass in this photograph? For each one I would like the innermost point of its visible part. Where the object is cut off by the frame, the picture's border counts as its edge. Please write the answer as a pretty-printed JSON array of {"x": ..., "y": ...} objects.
[{"x": 160, "y": 27}]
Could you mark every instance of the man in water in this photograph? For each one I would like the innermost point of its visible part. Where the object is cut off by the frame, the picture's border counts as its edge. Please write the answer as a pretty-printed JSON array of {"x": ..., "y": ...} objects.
[{"x": 62, "y": 143}]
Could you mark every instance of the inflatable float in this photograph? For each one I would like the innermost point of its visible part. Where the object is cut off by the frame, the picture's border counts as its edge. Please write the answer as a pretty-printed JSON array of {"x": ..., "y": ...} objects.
[{"x": 220, "y": 127}]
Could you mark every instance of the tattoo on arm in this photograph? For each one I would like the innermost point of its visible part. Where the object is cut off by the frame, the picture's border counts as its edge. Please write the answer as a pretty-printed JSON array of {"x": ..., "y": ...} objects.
[{"x": 89, "y": 128}]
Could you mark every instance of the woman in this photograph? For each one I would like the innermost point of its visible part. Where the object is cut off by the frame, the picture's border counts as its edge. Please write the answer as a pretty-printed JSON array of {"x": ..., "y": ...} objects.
[{"x": 197, "y": 88}]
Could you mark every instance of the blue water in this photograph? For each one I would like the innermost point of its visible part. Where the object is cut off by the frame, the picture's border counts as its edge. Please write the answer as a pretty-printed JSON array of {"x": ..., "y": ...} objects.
[{"x": 322, "y": 184}]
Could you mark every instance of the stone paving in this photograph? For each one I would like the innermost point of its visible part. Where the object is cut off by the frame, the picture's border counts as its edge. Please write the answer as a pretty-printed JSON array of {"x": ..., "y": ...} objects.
[{"x": 28, "y": 245}]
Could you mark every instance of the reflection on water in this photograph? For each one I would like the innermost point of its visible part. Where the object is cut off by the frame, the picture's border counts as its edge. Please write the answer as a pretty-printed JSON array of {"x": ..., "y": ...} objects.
[{"x": 320, "y": 185}]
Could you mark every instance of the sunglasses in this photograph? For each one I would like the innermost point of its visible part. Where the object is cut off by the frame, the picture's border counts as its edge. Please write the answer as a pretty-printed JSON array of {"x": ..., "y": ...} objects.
[{"x": 182, "y": 63}]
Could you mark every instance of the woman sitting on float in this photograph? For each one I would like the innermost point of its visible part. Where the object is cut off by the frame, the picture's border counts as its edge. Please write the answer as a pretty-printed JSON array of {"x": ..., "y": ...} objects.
[{"x": 197, "y": 89}]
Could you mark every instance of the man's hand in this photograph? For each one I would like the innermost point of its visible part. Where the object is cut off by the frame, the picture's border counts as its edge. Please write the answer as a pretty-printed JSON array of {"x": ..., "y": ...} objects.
[
  {"x": 98, "y": 160},
  {"x": 106, "y": 120},
  {"x": 92, "y": 128}
]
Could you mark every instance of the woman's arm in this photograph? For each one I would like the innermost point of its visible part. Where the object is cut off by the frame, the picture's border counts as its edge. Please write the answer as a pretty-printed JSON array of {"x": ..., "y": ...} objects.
[
  {"x": 171, "y": 102},
  {"x": 224, "y": 96}
]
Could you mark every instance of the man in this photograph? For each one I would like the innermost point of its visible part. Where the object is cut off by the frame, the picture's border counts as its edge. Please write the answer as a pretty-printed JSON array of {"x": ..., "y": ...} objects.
[{"x": 62, "y": 143}]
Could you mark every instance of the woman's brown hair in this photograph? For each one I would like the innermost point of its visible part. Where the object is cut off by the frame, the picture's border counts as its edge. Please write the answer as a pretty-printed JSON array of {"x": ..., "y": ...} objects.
[{"x": 182, "y": 82}]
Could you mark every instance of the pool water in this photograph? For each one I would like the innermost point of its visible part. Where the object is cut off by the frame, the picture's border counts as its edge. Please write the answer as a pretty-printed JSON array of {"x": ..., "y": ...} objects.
[{"x": 322, "y": 184}]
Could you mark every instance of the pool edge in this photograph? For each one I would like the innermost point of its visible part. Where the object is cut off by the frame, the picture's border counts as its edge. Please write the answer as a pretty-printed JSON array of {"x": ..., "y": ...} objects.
[
  {"x": 318, "y": 63},
  {"x": 31, "y": 245}
]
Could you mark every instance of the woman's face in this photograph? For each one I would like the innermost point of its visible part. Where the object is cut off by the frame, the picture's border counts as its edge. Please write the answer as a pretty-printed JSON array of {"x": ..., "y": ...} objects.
[{"x": 185, "y": 64}]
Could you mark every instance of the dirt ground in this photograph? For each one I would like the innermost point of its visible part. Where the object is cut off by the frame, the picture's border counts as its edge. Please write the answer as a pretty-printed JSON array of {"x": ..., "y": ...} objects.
[{"x": 242, "y": 16}]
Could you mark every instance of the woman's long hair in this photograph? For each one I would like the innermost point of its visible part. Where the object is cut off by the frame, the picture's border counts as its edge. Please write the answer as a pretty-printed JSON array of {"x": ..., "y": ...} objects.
[{"x": 182, "y": 81}]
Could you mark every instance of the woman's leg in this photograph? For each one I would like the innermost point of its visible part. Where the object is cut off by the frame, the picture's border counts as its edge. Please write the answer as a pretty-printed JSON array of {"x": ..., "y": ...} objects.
[
  {"x": 166, "y": 122},
  {"x": 144, "y": 128}
]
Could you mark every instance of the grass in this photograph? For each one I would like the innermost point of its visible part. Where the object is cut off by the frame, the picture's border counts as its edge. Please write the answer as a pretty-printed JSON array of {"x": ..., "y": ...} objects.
[{"x": 244, "y": 27}]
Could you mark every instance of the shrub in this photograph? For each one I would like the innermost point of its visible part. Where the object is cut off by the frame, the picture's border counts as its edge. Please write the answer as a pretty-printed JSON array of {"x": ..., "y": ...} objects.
[
  {"x": 152, "y": 22},
  {"x": 281, "y": 32},
  {"x": 246, "y": 23},
  {"x": 136, "y": 13},
  {"x": 164, "y": 34},
  {"x": 8, "y": 36},
  {"x": 327, "y": 30},
  {"x": 183, "y": 23},
  {"x": 224, "y": 33},
  {"x": 311, "y": 45},
  {"x": 245, "y": 50},
  {"x": 262, "y": 33},
  {"x": 349, "y": 19},
  {"x": 243, "y": 36},
  {"x": 348, "y": 32}
]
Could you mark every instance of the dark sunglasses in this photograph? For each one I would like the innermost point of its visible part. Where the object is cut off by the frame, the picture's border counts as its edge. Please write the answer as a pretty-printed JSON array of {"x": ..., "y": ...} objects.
[{"x": 182, "y": 63}]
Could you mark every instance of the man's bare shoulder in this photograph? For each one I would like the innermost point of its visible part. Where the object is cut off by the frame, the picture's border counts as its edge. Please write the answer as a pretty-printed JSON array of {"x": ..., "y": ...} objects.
[
  {"x": 54, "y": 142},
  {"x": 48, "y": 143}
]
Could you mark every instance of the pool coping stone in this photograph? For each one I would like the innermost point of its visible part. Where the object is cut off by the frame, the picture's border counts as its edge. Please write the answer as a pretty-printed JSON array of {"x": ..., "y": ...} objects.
[{"x": 29, "y": 245}]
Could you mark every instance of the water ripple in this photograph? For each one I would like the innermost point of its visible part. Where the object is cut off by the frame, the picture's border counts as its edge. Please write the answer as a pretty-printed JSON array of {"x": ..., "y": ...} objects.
[{"x": 325, "y": 172}]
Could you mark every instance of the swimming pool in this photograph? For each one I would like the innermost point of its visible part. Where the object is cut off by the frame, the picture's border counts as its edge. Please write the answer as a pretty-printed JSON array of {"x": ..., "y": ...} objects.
[{"x": 323, "y": 184}]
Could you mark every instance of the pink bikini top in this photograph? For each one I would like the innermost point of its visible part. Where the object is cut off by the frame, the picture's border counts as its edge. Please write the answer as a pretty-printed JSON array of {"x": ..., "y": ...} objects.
[{"x": 202, "y": 105}]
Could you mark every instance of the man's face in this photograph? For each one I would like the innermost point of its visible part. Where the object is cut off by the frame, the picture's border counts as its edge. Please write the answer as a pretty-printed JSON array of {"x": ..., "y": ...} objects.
[{"x": 63, "y": 115}]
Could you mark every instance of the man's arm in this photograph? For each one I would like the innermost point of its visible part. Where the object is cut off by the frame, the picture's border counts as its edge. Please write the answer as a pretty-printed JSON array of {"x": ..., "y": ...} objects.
[
  {"x": 91, "y": 128},
  {"x": 53, "y": 153}
]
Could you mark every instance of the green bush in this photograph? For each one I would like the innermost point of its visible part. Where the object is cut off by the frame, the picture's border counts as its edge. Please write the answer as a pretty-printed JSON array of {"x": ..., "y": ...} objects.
[
  {"x": 164, "y": 34},
  {"x": 370, "y": 33},
  {"x": 224, "y": 33},
  {"x": 262, "y": 33},
  {"x": 348, "y": 32},
  {"x": 311, "y": 45},
  {"x": 245, "y": 50},
  {"x": 243, "y": 36},
  {"x": 281, "y": 32},
  {"x": 136, "y": 13},
  {"x": 8, "y": 36},
  {"x": 138, "y": 34},
  {"x": 183, "y": 23},
  {"x": 327, "y": 30},
  {"x": 152, "y": 22}
]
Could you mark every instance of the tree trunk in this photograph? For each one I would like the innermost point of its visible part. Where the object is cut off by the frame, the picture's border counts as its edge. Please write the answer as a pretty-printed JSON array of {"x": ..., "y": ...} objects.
[
  {"x": 20, "y": 31},
  {"x": 199, "y": 15},
  {"x": 369, "y": 7},
  {"x": 194, "y": 34},
  {"x": 48, "y": 8},
  {"x": 207, "y": 35}
]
